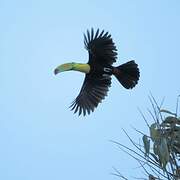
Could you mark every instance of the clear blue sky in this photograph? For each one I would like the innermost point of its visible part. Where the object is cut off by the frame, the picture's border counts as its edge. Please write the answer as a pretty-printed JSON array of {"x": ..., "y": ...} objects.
[{"x": 39, "y": 137}]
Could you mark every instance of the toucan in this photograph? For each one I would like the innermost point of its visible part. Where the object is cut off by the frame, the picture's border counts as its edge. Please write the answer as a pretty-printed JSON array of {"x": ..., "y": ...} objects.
[{"x": 98, "y": 71}]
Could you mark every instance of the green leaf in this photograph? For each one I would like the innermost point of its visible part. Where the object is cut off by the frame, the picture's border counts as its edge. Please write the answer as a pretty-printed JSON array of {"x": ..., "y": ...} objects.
[
  {"x": 163, "y": 152},
  {"x": 155, "y": 148},
  {"x": 146, "y": 142},
  {"x": 154, "y": 133}
]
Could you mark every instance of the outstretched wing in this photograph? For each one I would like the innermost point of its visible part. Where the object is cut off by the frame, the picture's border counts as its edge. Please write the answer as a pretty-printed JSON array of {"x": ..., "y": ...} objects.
[
  {"x": 102, "y": 52},
  {"x": 93, "y": 91},
  {"x": 101, "y": 47}
]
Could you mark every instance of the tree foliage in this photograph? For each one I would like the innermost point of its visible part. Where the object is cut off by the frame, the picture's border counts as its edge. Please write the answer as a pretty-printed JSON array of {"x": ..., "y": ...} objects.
[{"x": 159, "y": 151}]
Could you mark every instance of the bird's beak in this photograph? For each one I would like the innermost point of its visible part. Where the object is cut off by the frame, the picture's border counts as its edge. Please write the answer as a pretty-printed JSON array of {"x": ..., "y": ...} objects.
[{"x": 63, "y": 67}]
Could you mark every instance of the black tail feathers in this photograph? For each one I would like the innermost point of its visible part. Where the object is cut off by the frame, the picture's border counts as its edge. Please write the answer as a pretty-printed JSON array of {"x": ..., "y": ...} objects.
[{"x": 127, "y": 74}]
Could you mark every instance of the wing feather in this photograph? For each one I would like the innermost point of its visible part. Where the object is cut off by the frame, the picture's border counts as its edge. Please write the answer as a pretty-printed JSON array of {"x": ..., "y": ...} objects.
[
  {"x": 101, "y": 47},
  {"x": 91, "y": 94},
  {"x": 97, "y": 33},
  {"x": 88, "y": 35}
]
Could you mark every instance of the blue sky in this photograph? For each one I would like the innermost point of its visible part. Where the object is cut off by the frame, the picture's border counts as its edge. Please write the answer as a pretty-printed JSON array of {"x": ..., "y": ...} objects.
[{"x": 40, "y": 138}]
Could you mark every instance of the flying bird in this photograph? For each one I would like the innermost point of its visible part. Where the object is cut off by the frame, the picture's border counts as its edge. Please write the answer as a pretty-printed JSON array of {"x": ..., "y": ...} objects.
[{"x": 98, "y": 71}]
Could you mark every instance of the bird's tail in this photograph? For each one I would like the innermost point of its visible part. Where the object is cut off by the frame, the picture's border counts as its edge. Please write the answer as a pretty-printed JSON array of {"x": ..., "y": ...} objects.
[{"x": 127, "y": 74}]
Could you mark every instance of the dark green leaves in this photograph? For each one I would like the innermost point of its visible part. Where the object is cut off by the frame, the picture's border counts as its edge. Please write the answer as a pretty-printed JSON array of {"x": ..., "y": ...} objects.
[{"x": 146, "y": 142}]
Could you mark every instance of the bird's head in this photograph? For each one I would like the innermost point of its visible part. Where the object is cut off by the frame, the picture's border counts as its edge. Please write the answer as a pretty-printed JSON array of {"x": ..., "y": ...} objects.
[{"x": 85, "y": 68}]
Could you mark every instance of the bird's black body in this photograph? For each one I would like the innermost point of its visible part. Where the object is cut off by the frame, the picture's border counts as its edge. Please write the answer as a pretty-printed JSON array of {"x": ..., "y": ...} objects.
[{"x": 102, "y": 54}]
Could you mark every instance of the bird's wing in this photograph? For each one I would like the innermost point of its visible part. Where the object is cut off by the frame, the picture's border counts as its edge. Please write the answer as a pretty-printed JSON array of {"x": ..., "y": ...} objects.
[
  {"x": 101, "y": 47},
  {"x": 93, "y": 91}
]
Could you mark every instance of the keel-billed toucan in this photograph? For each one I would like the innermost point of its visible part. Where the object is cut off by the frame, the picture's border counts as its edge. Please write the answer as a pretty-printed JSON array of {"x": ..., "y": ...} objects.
[{"x": 98, "y": 71}]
